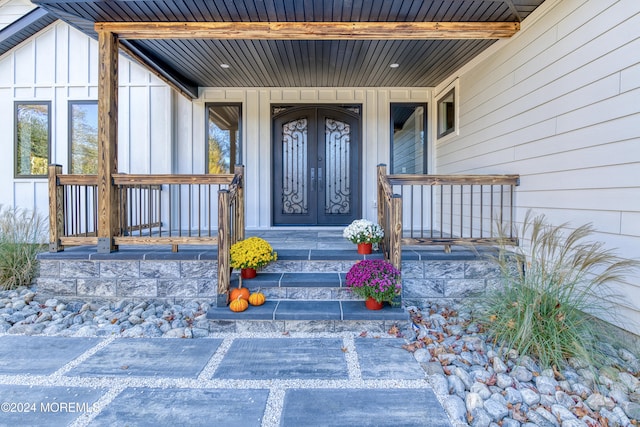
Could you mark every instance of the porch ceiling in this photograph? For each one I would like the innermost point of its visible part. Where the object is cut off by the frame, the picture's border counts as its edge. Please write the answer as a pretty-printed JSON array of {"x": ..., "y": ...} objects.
[{"x": 193, "y": 63}]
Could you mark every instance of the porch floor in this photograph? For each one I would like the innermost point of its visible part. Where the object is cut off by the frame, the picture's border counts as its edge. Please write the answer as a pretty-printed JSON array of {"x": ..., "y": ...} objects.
[{"x": 291, "y": 244}]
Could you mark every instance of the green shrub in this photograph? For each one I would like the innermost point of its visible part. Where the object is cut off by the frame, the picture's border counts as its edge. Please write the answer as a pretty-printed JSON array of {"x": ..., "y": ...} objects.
[
  {"x": 545, "y": 309},
  {"x": 21, "y": 238}
]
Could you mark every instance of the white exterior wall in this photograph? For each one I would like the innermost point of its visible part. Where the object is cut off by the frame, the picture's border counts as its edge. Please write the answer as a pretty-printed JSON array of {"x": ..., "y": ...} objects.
[
  {"x": 559, "y": 104},
  {"x": 256, "y": 133},
  {"x": 12, "y": 10},
  {"x": 60, "y": 64}
]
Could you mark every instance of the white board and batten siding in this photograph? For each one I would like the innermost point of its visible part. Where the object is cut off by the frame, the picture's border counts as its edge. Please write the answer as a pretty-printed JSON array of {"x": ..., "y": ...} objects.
[
  {"x": 256, "y": 131},
  {"x": 559, "y": 104},
  {"x": 59, "y": 64}
]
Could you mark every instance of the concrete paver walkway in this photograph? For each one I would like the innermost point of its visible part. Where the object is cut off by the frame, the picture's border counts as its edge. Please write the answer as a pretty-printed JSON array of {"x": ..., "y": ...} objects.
[{"x": 232, "y": 380}]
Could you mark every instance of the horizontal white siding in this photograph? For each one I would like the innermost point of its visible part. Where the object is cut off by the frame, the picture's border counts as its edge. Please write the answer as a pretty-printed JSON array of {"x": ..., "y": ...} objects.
[
  {"x": 559, "y": 104},
  {"x": 59, "y": 65}
]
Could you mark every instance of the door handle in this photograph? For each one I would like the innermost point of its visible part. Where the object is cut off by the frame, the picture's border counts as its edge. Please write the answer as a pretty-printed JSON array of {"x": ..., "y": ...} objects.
[
  {"x": 320, "y": 184},
  {"x": 313, "y": 179}
]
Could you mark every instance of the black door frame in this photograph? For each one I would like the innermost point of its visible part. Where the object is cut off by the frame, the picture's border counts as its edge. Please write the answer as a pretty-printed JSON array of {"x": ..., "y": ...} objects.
[{"x": 316, "y": 163}]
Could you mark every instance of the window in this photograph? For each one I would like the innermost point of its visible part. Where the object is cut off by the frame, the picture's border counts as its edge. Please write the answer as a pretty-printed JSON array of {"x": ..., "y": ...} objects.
[
  {"x": 83, "y": 137},
  {"x": 224, "y": 145},
  {"x": 446, "y": 114},
  {"x": 33, "y": 135},
  {"x": 408, "y": 149}
]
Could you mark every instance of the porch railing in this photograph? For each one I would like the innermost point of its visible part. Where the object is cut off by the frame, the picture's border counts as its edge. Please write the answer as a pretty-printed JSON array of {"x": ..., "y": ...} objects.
[
  {"x": 154, "y": 209},
  {"x": 444, "y": 210}
]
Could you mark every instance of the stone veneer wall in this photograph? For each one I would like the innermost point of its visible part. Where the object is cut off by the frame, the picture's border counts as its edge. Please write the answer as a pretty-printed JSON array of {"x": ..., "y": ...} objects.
[
  {"x": 116, "y": 279},
  {"x": 423, "y": 280},
  {"x": 447, "y": 280}
]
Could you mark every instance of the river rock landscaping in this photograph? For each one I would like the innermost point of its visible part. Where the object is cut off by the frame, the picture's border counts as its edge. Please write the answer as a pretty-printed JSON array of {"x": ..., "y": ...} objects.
[
  {"x": 480, "y": 385},
  {"x": 476, "y": 382}
]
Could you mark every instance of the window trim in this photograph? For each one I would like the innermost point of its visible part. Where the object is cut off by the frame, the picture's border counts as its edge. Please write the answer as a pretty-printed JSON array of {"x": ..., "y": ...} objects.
[
  {"x": 16, "y": 167},
  {"x": 453, "y": 90},
  {"x": 424, "y": 105},
  {"x": 240, "y": 152},
  {"x": 70, "y": 105}
]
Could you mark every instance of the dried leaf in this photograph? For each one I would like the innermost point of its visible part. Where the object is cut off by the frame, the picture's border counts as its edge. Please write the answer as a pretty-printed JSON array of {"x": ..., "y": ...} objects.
[
  {"x": 363, "y": 334},
  {"x": 285, "y": 333},
  {"x": 124, "y": 367},
  {"x": 427, "y": 340},
  {"x": 345, "y": 350},
  {"x": 492, "y": 380},
  {"x": 518, "y": 415},
  {"x": 557, "y": 373},
  {"x": 413, "y": 346},
  {"x": 580, "y": 411},
  {"x": 114, "y": 320}
]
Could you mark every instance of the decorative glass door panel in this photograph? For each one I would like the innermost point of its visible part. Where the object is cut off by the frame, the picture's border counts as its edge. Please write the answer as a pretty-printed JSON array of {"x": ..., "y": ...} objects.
[
  {"x": 316, "y": 166},
  {"x": 337, "y": 148},
  {"x": 294, "y": 167}
]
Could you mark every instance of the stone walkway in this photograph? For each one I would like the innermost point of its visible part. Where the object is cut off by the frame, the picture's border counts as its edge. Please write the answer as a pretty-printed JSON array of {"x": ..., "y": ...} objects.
[{"x": 230, "y": 380}]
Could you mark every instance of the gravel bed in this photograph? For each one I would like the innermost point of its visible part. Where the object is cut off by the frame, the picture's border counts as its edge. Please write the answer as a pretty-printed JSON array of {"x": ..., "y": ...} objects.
[{"x": 481, "y": 386}]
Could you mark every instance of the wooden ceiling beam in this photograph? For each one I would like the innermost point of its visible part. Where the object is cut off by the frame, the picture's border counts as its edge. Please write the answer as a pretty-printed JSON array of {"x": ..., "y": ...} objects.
[{"x": 310, "y": 30}]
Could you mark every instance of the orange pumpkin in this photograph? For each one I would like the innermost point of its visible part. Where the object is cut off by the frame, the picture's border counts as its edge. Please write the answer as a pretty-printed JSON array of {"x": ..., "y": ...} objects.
[
  {"x": 257, "y": 298},
  {"x": 238, "y": 305},
  {"x": 240, "y": 293}
]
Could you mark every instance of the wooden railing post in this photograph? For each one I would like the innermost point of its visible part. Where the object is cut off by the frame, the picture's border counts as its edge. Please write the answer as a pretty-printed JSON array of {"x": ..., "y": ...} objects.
[
  {"x": 395, "y": 235},
  {"x": 56, "y": 209},
  {"x": 239, "y": 216},
  {"x": 224, "y": 246},
  {"x": 382, "y": 172}
]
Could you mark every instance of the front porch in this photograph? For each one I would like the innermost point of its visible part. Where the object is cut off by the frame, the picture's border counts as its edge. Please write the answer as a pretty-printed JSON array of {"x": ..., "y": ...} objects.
[{"x": 416, "y": 212}]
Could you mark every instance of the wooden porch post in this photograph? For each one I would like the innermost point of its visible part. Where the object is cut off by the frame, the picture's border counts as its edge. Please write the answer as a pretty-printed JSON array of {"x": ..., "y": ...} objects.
[
  {"x": 56, "y": 212},
  {"x": 108, "y": 208}
]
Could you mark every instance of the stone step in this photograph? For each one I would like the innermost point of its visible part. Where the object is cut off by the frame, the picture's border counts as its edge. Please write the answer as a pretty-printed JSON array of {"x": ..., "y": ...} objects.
[
  {"x": 308, "y": 316},
  {"x": 298, "y": 286},
  {"x": 306, "y": 292}
]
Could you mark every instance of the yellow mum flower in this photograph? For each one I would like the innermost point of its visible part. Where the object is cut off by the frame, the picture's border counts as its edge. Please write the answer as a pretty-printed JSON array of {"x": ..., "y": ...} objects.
[{"x": 253, "y": 252}]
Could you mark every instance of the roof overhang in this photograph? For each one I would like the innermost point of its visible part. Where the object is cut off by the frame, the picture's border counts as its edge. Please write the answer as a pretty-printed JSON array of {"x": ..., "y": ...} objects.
[
  {"x": 288, "y": 43},
  {"x": 25, "y": 27}
]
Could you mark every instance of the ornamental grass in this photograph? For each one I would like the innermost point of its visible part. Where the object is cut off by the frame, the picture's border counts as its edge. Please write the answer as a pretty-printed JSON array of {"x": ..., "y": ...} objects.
[
  {"x": 22, "y": 237},
  {"x": 253, "y": 252},
  {"x": 546, "y": 308}
]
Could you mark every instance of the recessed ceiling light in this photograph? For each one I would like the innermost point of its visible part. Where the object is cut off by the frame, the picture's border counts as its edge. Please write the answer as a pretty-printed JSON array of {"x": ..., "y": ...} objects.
[
  {"x": 394, "y": 65},
  {"x": 224, "y": 65}
]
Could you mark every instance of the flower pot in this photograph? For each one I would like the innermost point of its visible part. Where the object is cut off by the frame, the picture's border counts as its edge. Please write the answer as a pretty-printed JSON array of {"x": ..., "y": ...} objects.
[
  {"x": 364, "y": 248},
  {"x": 372, "y": 304},
  {"x": 248, "y": 273}
]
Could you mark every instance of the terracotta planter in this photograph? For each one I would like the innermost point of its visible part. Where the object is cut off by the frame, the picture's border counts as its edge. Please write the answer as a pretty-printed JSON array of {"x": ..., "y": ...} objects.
[
  {"x": 248, "y": 273},
  {"x": 372, "y": 304},
  {"x": 364, "y": 248}
]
